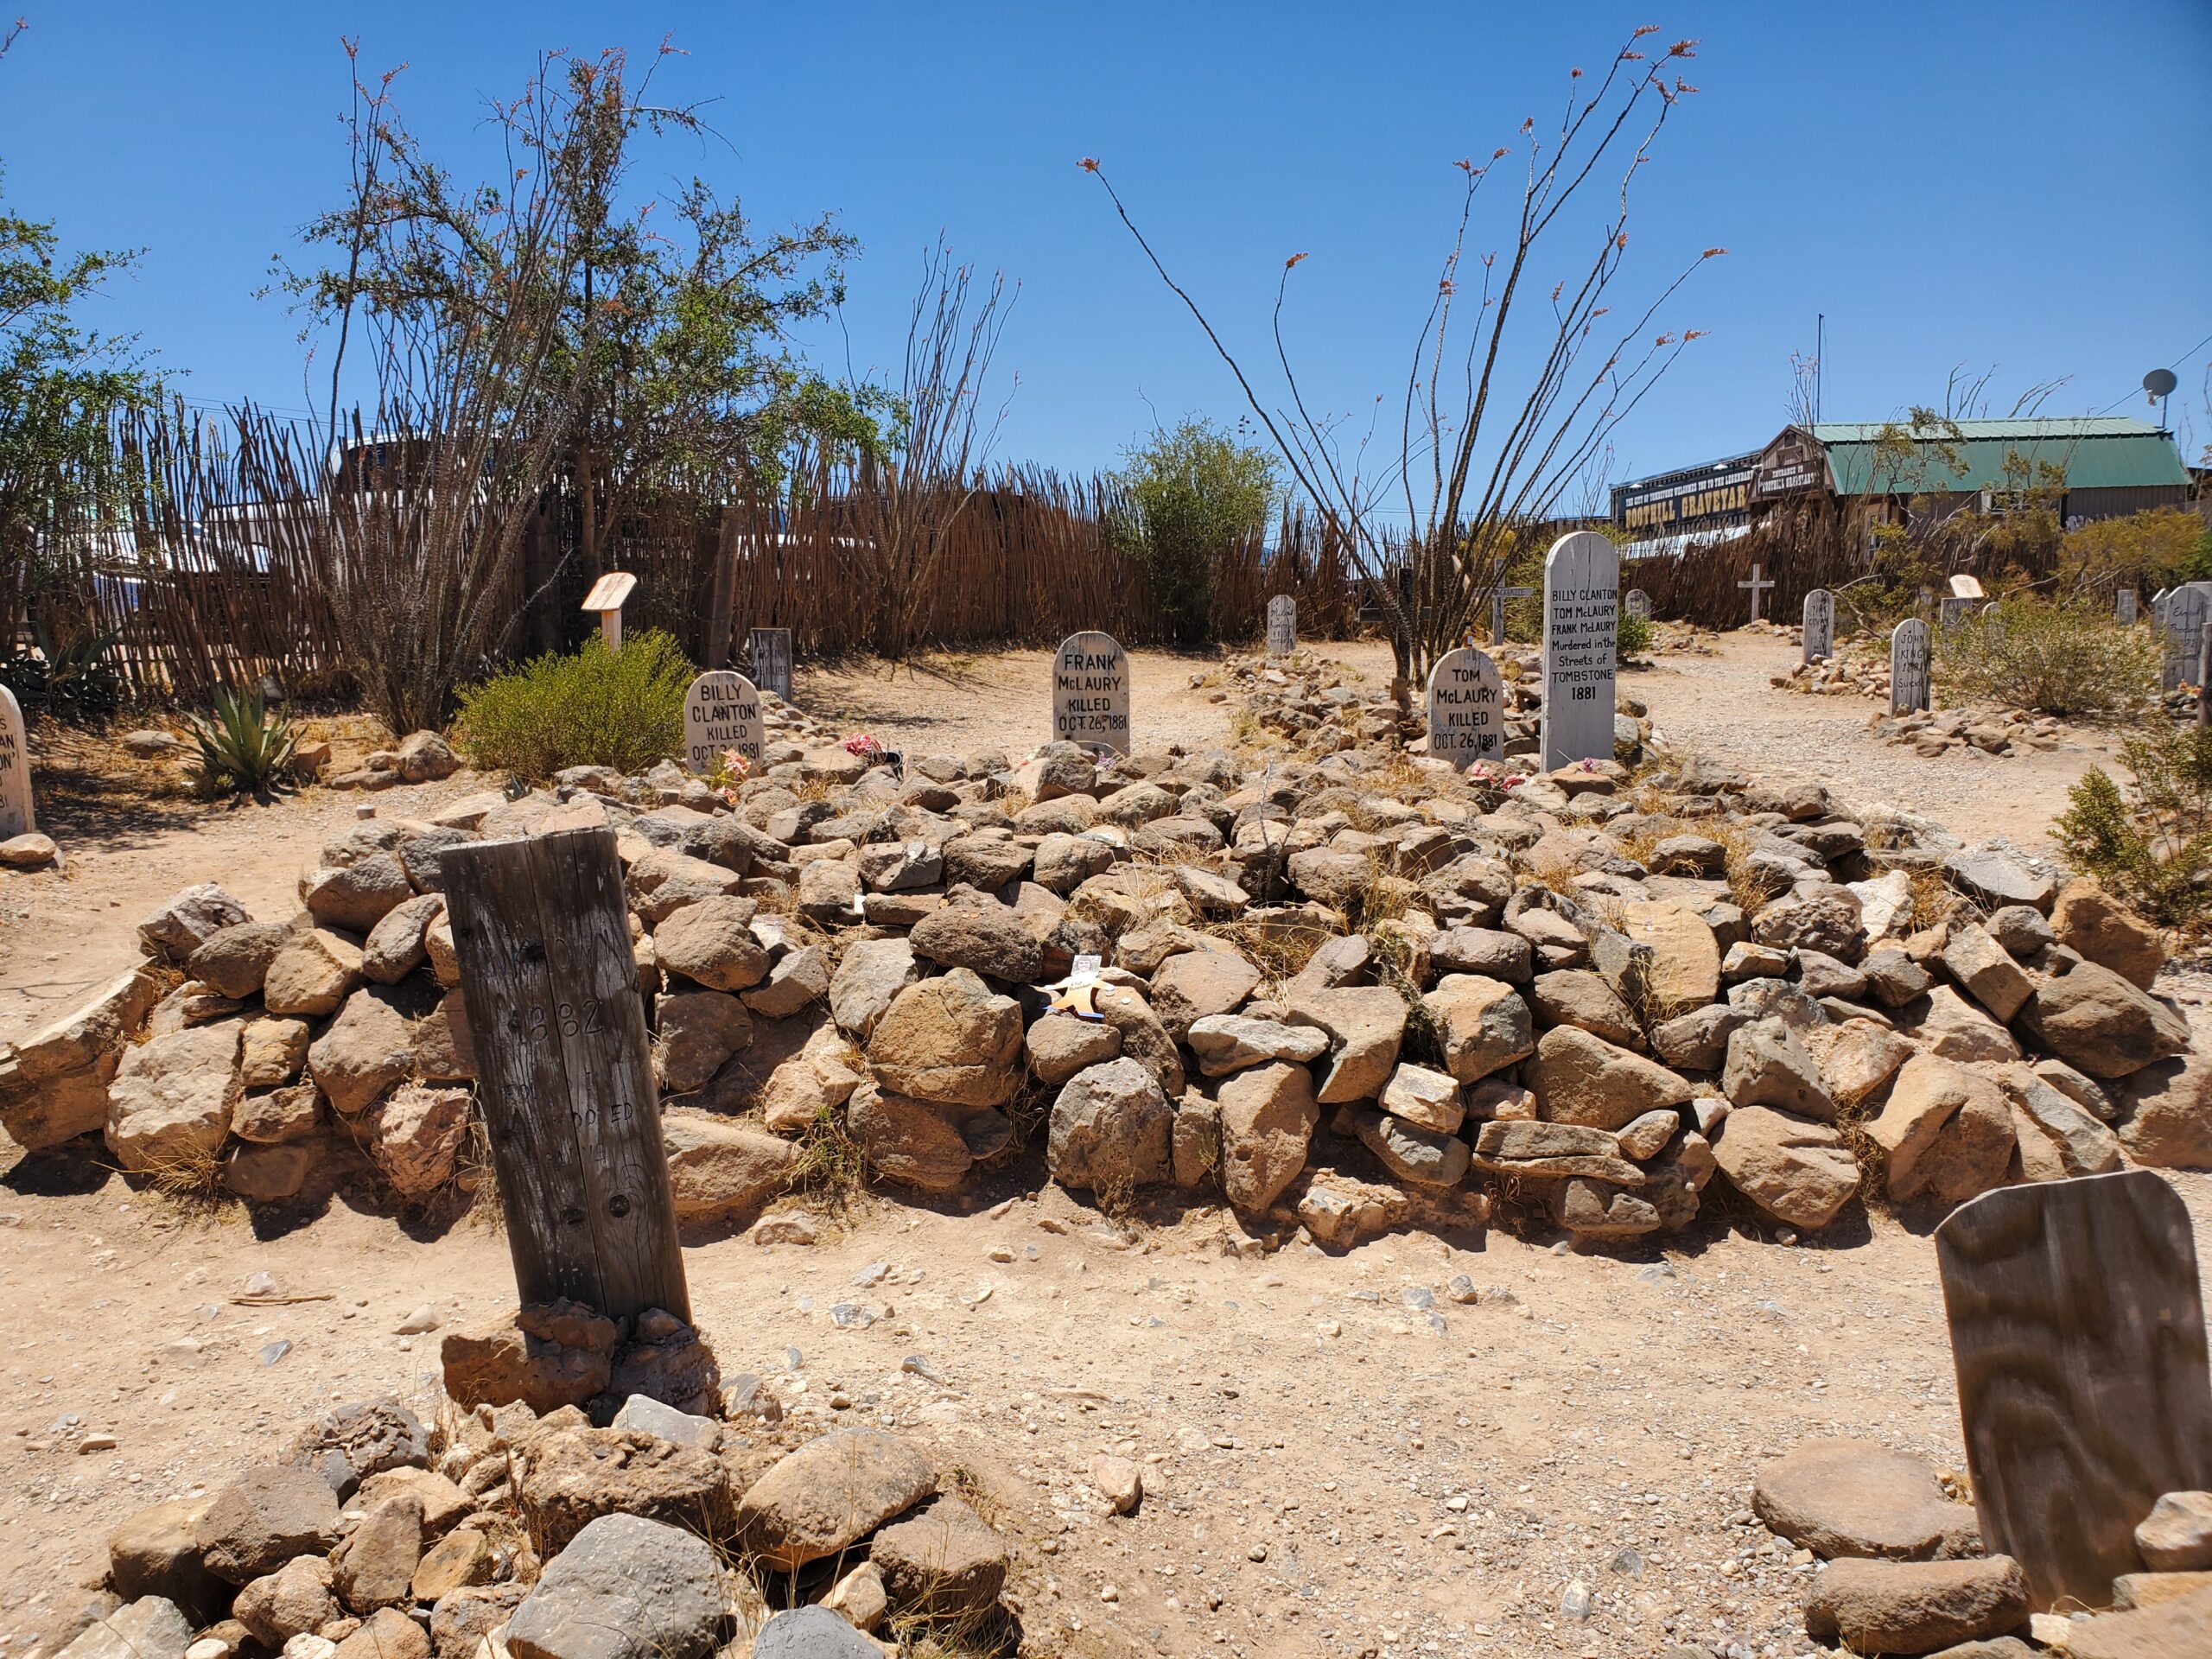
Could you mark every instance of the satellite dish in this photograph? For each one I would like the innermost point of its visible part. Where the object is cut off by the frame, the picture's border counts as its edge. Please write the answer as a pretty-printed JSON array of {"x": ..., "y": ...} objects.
[{"x": 2160, "y": 382}]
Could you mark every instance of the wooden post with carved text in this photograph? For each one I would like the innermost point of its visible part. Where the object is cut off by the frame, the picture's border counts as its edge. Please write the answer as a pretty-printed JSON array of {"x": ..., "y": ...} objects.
[{"x": 543, "y": 937}]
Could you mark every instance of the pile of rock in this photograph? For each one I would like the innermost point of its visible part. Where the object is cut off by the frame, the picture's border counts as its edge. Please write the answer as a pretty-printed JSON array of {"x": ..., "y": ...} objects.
[
  {"x": 418, "y": 757},
  {"x": 1848, "y": 674},
  {"x": 661, "y": 1534},
  {"x": 1992, "y": 731},
  {"x": 1905, "y": 1571}
]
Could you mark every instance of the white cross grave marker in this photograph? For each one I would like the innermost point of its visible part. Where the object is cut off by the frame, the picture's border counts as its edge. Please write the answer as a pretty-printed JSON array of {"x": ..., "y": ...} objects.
[{"x": 1757, "y": 587}]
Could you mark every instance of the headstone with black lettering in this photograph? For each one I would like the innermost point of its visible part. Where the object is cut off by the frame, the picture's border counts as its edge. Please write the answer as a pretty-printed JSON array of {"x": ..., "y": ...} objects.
[
  {"x": 1581, "y": 619},
  {"x": 771, "y": 651},
  {"x": 721, "y": 711},
  {"x": 1466, "y": 709},
  {"x": 1282, "y": 626},
  {"x": 2123, "y": 607},
  {"x": 1909, "y": 660},
  {"x": 1090, "y": 692},
  {"x": 15, "y": 770},
  {"x": 2185, "y": 613},
  {"x": 1637, "y": 603},
  {"x": 1820, "y": 625}
]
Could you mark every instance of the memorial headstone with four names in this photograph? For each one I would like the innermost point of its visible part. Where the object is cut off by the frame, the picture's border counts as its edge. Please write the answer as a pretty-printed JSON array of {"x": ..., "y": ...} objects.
[
  {"x": 1581, "y": 619},
  {"x": 15, "y": 770},
  {"x": 2123, "y": 607},
  {"x": 1466, "y": 709},
  {"x": 721, "y": 711},
  {"x": 1820, "y": 625},
  {"x": 1282, "y": 626},
  {"x": 2185, "y": 613},
  {"x": 771, "y": 651},
  {"x": 1090, "y": 692},
  {"x": 1909, "y": 661}
]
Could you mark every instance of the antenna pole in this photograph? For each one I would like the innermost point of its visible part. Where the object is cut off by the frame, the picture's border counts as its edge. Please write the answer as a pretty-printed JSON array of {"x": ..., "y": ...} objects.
[{"x": 1820, "y": 358}]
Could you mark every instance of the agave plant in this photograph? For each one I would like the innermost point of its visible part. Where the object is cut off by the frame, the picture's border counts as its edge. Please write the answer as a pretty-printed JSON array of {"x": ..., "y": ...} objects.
[{"x": 242, "y": 750}]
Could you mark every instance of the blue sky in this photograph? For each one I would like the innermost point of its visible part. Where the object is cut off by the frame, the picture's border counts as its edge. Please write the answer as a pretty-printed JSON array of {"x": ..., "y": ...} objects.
[{"x": 2019, "y": 185}]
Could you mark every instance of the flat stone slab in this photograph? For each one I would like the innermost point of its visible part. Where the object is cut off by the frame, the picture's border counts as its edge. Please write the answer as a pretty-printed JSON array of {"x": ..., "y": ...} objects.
[{"x": 1854, "y": 1498}]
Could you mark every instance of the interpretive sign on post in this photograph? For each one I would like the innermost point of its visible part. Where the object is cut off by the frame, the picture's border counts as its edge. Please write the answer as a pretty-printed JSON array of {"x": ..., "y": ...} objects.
[
  {"x": 1581, "y": 619},
  {"x": 1757, "y": 588},
  {"x": 15, "y": 770},
  {"x": 1282, "y": 626},
  {"x": 1090, "y": 692},
  {"x": 2185, "y": 613},
  {"x": 1466, "y": 709},
  {"x": 1909, "y": 659},
  {"x": 771, "y": 651},
  {"x": 1637, "y": 603},
  {"x": 607, "y": 596},
  {"x": 2123, "y": 607},
  {"x": 1499, "y": 592},
  {"x": 721, "y": 711},
  {"x": 1820, "y": 625}
]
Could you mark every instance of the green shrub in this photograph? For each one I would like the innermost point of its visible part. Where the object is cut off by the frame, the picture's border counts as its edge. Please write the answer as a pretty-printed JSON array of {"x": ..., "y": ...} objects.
[
  {"x": 1188, "y": 496},
  {"x": 75, "y": 681},
  {"x": 2056, "y": 658},
  {"x": 2154, "y": 851},
  {"x": 596, "y": 707},
  {"x": 1631, "y": 636},
  {"x": 242, "y": 750}
]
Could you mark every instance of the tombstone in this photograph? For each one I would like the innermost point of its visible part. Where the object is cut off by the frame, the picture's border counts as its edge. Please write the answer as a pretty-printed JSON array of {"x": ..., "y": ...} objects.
[
  {"x": 1966, "y": 587},
  {"x": 1820, "y": 625},
  {"x": 2159, "y": 600},
  {"x": 2123, "y": 607},
  {"x": 1908, "y": 657},
  {"x": 1090, "y": 693},
  {"x": 1282, "y": 626},
  {"x": 1637, "y": 604},
  {"x": 608, "y": 597},
  {"x": 16, "y": 817},
  {"x": 2077, "y": 1328},
  {"x": 1992, "y": 619},
  {"x": 1951, "y": 610},
  {"x": 770, "y": 650},
  {"x": 721, "y": 711},
  {"x": 1757, "y": 588},
  {"x": 2185, "y": 632},
  {"x": 1581, "y": 618},
  {"x": 1466, "y": 709}
]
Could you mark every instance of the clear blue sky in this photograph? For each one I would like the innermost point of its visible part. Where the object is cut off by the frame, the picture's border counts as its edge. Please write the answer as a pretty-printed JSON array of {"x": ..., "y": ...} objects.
[{"x": 2022, "y": 185}]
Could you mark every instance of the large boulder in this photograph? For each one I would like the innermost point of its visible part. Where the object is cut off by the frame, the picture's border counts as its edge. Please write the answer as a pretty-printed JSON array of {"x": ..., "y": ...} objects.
[
  {"x": 1684, "y": 968},
  {"x": 2092, "y": 1018},
  {"x": 1581, "y": 998},
  {"x": 367, "y": 1052},
  {"x": 312, "y": 973},
  {"x": 169, "y": 1107},
  {"x": 294, "y": 1600},
  {"x": 711, "y": 944},
  {"x": 187, "y": 920},
  {"x": 1229, "y": 1042},
  {"x": 2165, "y": 1119},
  {"x": 157, "y": 1552},
  {"x": 1061, "y": 1045},
  {"x": 1820, "y": 918},
  {"x": 1946, "y": 1133},
  {"x": 1998, "y": 879},
  {"x": 573, "y": 1477},
  {"x": 1986, "y": 971},
  {"x": 917, "y": 1144},
  {"x": 1798, "y": 1170},
  {"x": 1854, "y": 1498},
  {"x": 941, "y": 1562},
  {"x": 985, "y": 938},
  {"x": 1856, "y": 1058},
  {"x": 414, "y": 1136},
  {"x": 268, "y": 1514},
  {"x": 695, "y": 1034},
  {"x": 1579, "y": 1078},
  {"x": 1482, "y": 1025},
  {"x": 152, "y": 1627},
  {"x": 1916, "y": 1606},
  {"x": 829, "y": 1494},
  {"x": 397, "y": 945},
  {"x": 1768, "y": 1066},
  {"x": 1365, "y": 1024},
  {"x": 1406, "y": 1150},
  {"x": 1194, "y": 984},
  {"x": 869, "y": 974},
  {"x": 718, "y": 1169},
  {"x": 1268, "y": 1116},
  {"x": 1144, "y": 1040},
  {"x": 2090, "y": 921},
  {"x": 233, "y": 960},
  {"x": 627, "y": 1587},
  {"x": 356, "y": 896},
  {"x": 1111, "y": 1127},
  {"x": 544, "y": 1356},
  {"x": 950, "y": 1040},
  {"x": 374, "y": 1566}
]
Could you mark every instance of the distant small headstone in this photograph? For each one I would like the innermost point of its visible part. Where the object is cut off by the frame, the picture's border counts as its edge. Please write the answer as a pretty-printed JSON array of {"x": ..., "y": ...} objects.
[
  {"x": 1637, "y": 604},
  {"x": 1282, "y": 626},
  {"x": 771, "y": 651},
  {"x": 1951, "y": 611},
  {"x": 721, "y": 711},
  {"x": 1909, "y": 658},
  {"x": 2184, "y": 629},
  {"x": 1090, "y": 692},
  {"x": 1581, "y": 621},
  {"x": 15, "y": 770},
  {"x": 1820, "y": 625},
  {"x": 1466, "y": 709},
  {"x": 2123, "y": 607},
  {"x": 1966, "y": 586}
]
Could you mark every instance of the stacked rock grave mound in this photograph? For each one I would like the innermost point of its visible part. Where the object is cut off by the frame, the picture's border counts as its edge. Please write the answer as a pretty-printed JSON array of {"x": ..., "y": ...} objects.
[{"x": 1340, "y": 987}]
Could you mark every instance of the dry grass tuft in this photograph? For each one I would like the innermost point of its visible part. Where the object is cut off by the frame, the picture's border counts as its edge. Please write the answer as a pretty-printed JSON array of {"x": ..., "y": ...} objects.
[
  {"x": 829, "y": 1173},
  {"x": 191, "y": 1180}
]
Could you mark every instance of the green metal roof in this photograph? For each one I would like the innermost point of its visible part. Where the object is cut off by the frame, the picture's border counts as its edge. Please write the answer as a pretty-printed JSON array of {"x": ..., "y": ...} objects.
[{"x": 2095, "y": 453}]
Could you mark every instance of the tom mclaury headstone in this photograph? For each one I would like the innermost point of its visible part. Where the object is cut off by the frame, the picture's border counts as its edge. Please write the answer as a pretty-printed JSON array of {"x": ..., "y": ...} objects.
[
  {"x": 1820, "y": 625},
  {"x": 1090, "y": 692},
  {"x": 1581, "y": 619},
  {"x": 771, "y": 651},
  {"x": 1909, "y": 649},
  {"x": 1466, "y": 709},
  {"x": 1282, "y": 626},
  {"x": 721, "y": 711},
  {"x": 15, "y": 770}
]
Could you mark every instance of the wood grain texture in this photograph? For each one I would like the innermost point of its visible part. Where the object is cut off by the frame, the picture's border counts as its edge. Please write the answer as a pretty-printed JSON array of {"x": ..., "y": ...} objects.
[
  {"x": 541, "y": 935},
  {"x": 2077, "y": 1326}
]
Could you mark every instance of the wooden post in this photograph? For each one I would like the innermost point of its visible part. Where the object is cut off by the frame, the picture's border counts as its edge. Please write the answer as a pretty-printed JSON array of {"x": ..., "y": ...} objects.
[
  {"x": 541, "y": 931},
  {"x": 716, "y": 654},
  {"x": 606, "y": 597}
]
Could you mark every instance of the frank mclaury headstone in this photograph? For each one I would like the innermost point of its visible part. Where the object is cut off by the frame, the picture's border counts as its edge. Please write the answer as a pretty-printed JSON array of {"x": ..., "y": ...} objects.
[
  {"x": 1090, "y": 692},
  {"x": 1466, "y": 709},
  {"x": 721, "y": 711},
  {"x": 1909, "y": 656},
  {"x": 1820, "y": 625},
  {"x": 15, "y": 771},
  {"x": 1282, "y": 626},
  {"x": 1581, "y": 617}
]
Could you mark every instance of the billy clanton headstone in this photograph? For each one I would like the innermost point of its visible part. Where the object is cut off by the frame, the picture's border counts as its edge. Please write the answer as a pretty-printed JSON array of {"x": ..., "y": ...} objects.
[
  {"x": 15, "y": 770},
  {"x": 1581, "y": 617},
  {"x": 721, "y": 711},
  {"x": 1466, "y": 709},
  {"x": 1090, "y": 692}
]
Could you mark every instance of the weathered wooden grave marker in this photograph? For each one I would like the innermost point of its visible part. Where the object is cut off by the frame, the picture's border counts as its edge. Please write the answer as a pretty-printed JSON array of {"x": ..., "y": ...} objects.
[
  {"x": 1820, "y": 625},
  {"x": 771, "y": 651},
  {"x": 1637, "y": 603},
  {"x": 1909, "y": 660},
  {"x": 1499, "y": 592},
  {"x": 15, "y": 816},
  {"x": 1466, "y": 709},
  {"x": 2184, "y": 629},
  {"x": 721, "y": 711},
  {"x": 607, "y": 596},
  {"x": 1282, "y": 626},
  {"x": 569, "y": 1107},
  {"x": 1581, "y": 617},
  {"x": 1757, "y": 587},
  {"x": 1950, "y": 611},
  {"x": 2077, "y": 1327},
  {"x": 1090, "y": 692},
  {"x": 2123, "y": 607}
]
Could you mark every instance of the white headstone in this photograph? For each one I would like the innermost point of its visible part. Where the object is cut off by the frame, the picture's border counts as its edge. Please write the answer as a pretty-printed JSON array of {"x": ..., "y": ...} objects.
[
  {"x": 771, "y": 651},
  {"x": 1466, "y": 709},
  {"x": 1909, "y": 657},
  {"x": 15, "y": 770},
  {"x": 2185, "y": 613},
  {"x": 721, "y": 711},
  {"x": 1637, "y": 604},
  {"x": 1581, "y": 618},
  {"x": 1282, "y": 626},
  {"x": 1090, "y": 692},
  {"x": 2123, "y": 607},
  {"x": 1820, "y": 625}
]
